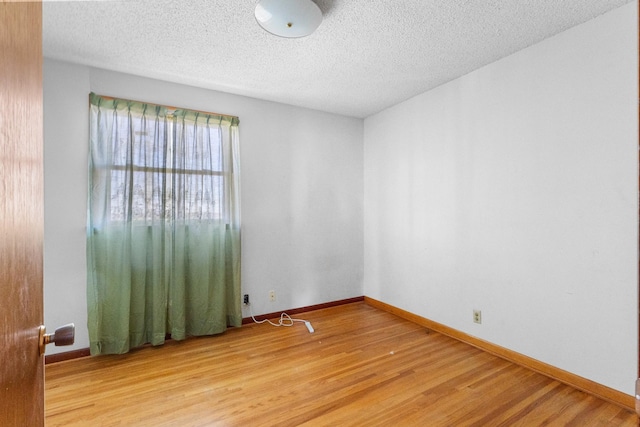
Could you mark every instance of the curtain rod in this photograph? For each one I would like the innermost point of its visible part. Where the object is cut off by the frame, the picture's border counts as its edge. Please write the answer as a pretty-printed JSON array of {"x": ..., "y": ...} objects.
[{"x": 169, "y": 107}]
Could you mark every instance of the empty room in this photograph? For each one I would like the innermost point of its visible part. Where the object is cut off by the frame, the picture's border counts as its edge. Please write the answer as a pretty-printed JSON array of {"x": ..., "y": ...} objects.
[{"x": 324, "y": 212}]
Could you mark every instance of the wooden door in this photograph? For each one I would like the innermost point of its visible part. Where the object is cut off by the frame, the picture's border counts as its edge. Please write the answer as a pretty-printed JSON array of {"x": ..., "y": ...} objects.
[{"x": 21, "y": 214}]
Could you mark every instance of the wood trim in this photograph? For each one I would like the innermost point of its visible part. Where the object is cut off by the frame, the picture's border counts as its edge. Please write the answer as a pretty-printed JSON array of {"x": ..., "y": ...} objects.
[
  {"x": 294, "y": 311},
  {"x": 67, "y": 355},
  {"x": 580, "y": 383},
  {"x": 84, "y": 352}
]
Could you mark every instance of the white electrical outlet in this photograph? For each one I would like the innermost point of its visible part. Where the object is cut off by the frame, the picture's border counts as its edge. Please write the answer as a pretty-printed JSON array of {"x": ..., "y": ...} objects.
[
  {"x": 272, "y": 296},
  {"x": 477, "y": 316}
]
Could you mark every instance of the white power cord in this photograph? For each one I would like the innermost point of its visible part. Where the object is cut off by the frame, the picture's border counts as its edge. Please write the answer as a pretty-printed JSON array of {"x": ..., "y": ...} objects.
[{"x": 285, "y": 320}]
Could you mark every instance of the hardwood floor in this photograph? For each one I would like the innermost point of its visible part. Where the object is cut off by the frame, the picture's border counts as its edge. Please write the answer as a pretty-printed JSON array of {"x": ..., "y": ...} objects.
[{"x": 362, "y": 366}]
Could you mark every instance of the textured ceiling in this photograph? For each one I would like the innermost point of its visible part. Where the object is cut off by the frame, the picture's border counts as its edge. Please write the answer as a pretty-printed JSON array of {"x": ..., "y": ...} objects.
[{"x": 366, "y": 55}]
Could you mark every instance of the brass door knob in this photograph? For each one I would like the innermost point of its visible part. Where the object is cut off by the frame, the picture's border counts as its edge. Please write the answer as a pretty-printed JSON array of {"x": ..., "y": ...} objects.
[{"x": 64, "y": 335}]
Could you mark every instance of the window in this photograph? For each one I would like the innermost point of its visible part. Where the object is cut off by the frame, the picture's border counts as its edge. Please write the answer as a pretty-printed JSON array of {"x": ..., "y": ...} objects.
[{"x": 167, "y": 170}]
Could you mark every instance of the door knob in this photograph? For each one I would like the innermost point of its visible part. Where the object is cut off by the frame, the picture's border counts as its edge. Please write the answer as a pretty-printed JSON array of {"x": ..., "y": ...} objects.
[{"x": 64, "y": 335}]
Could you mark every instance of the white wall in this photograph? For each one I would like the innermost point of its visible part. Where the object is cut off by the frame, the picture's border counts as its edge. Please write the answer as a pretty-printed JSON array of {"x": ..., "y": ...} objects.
[
  {"x": 513, "y": 190},
  {"x": 302, "y": 193},
  {"x": 66, "y": 130}
]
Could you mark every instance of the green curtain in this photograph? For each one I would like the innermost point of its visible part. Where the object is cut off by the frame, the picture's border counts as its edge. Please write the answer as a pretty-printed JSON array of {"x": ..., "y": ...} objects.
[{"x": 163, "y": 224}]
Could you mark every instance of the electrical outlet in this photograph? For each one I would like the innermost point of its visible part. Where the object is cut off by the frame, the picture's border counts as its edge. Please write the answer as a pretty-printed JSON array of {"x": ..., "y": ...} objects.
[
  {"x": 245, "y": 299},
  {"x": 477, "y": 316},
  {"x": 272, "y": 296}
]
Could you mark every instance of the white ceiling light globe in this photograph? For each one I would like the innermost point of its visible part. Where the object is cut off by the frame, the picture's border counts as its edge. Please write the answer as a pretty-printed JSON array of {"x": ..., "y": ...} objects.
[{"x": 288, "y": 18}]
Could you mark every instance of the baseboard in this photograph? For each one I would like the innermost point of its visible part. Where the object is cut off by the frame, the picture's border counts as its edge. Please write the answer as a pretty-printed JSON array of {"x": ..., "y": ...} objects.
[
  {"x": 294, "y": 311},
  {"x": 84, "y": 352},
  {"x": 580, "y": 383},
  {"x": 67, "y": 355}
]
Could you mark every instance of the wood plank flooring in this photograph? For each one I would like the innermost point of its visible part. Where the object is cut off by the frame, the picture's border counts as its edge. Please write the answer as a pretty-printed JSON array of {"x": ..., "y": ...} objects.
[{"x": 362, "y": 366}]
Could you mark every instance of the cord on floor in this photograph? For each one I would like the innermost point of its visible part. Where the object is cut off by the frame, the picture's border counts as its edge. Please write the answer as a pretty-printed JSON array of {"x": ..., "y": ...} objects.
[{"x": 285, "y": 320}]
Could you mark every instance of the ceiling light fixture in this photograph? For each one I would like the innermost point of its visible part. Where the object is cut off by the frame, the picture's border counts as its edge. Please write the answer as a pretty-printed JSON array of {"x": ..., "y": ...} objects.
[{"x": 288, "y": 18}]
